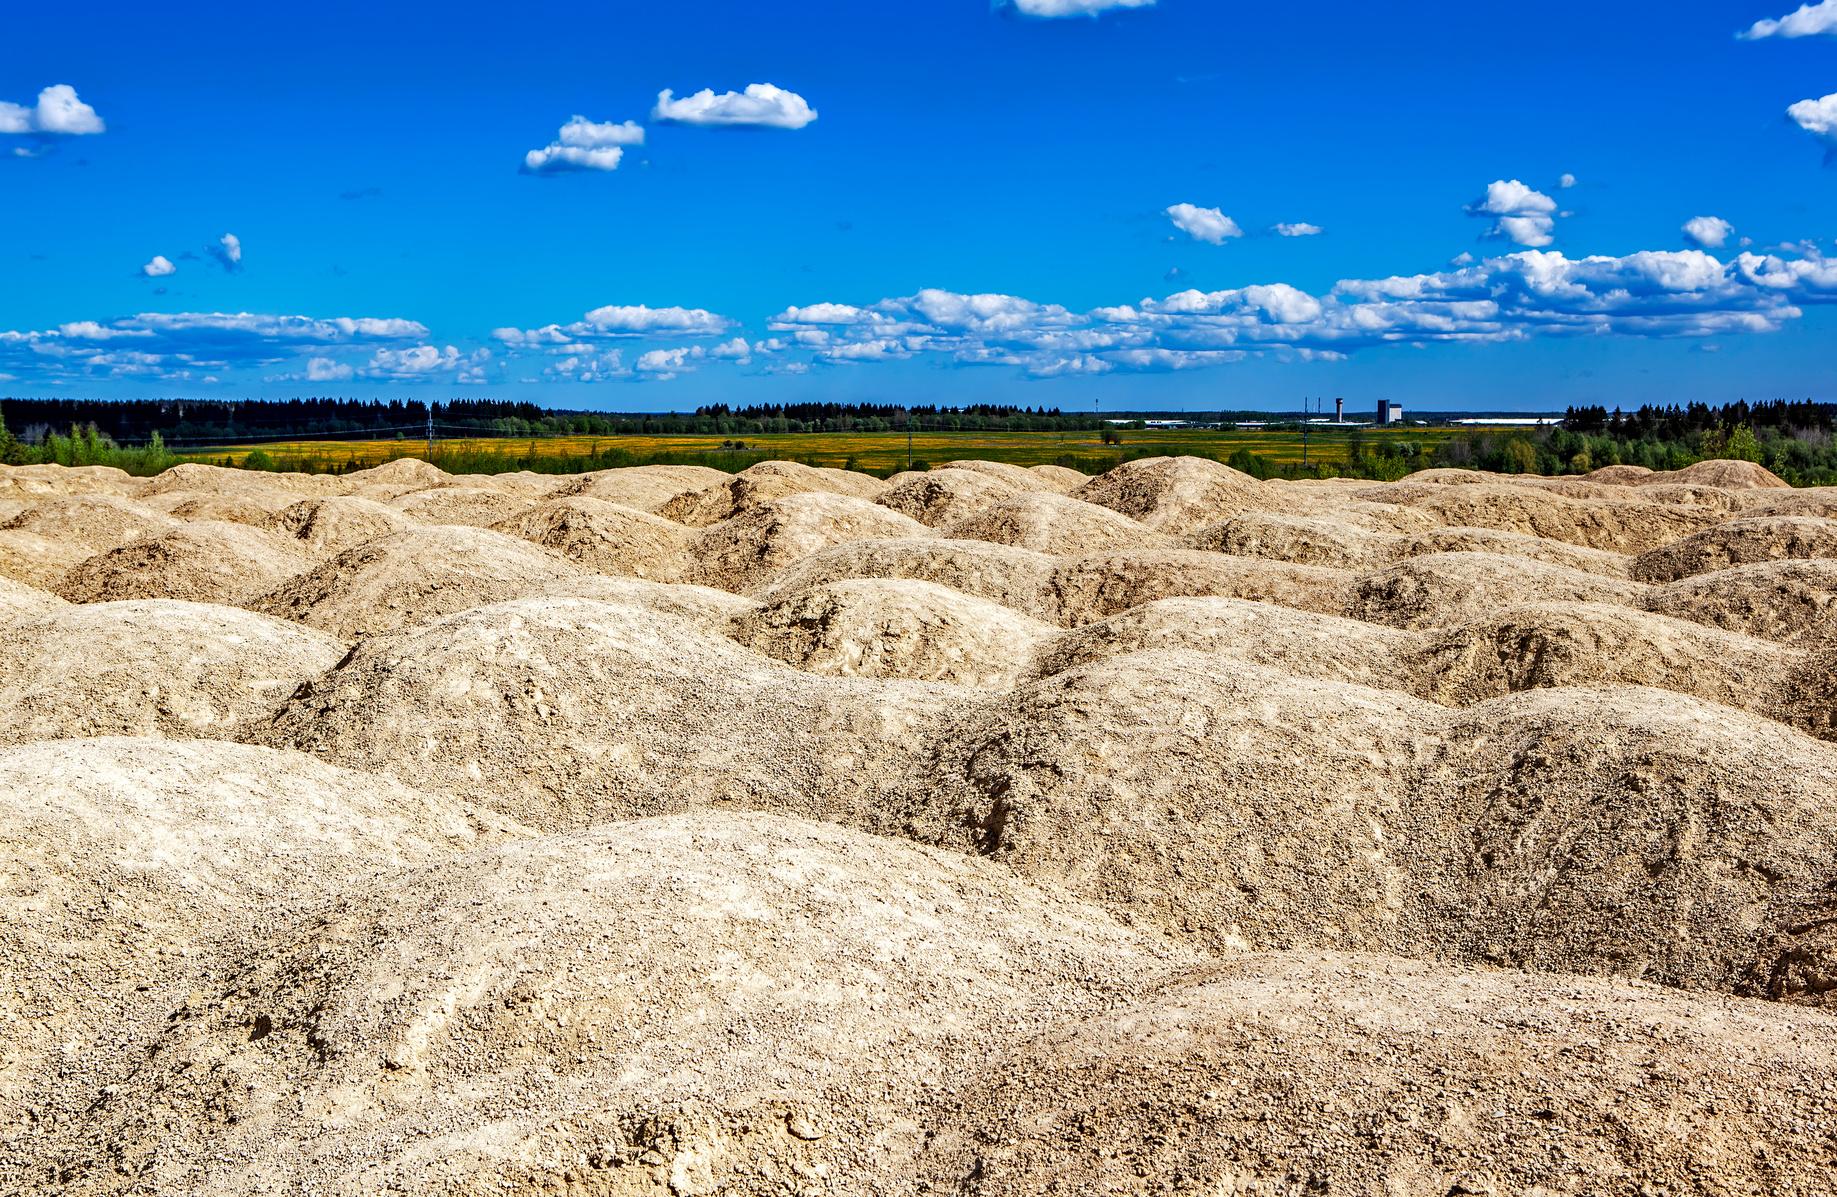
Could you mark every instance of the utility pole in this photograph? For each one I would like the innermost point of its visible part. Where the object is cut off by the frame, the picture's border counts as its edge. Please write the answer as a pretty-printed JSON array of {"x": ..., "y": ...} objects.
[
  {"x": 430, "y": 432},
  {"x": 908, "y": 438},
  {"x": 1304, "y": 432}
]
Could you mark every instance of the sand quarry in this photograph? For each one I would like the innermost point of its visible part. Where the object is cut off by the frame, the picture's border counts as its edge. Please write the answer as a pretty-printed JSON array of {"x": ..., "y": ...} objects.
[{"x": 981, "y": 832}]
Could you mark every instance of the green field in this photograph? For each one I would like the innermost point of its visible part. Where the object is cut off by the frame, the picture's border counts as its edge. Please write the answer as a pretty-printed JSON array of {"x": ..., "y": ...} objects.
[{"x": 878, "y": 452}]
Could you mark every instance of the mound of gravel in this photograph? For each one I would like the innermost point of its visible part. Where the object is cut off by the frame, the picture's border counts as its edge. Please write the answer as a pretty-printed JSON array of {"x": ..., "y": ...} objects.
[
  {"x": 192, "y": 478},
  {"x": 761, "y": 539},
  {"x": 641, "y": 488},
  {"x": 718, "y": 1003},
  {"x": 1444, "y": 588},
  {"x": 201, "y": 562},
  {"x": 398, "y": 477},
  {"x": 1516, "y": 544},
  {"x": 1305, "y": 540},
  {"x": 1052, "y": 523},
  {"x": 411, "y": 577},
  {"x": 894, "y": 629},
  {"x": 38, "y": 561},
  {"x": 1016, "y": 578},
  {"x": 606, "y": 538},
  {"x": 471, "y": 506},
  {"x": 1622, "y": 526},
  {"x": 254, "y": 509},
  {"x": 1057, "y": 479},
  {"x": 17, "y": 600},
  {"x": 1372, "y": 1077},
  {"x": 1175, "y": 495},
  {"x": 39, "y": 481},
  {"x": 762, "y": 484},
  {"x": 1091, "y": 588},
  {"x": 1788, "y": 601},
  {"x": 704, "y": 606},
  {"x": 1590, "y": 644},
  {"x": 1301, "y": 643},
  {"x": 329, "y": 526},
  {"x": 562, "y": 713},
  {"x": 937, "y": 497},
  {"x": 94, "y": 523},
  {"x": 1631, "y": 832},
  {"x": 130, "y": 862},
  {"x": 151, "y": 668},
  {"x": 1739, "y": 542}
]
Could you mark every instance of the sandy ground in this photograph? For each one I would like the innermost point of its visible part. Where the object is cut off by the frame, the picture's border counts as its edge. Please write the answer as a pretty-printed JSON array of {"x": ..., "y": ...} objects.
[{"x": 981, "y": 831}]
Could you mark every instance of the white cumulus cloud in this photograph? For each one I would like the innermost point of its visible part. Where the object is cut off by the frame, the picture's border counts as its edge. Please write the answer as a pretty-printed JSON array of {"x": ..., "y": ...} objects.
[
  {"x": 1299, "y": 229},
  {"x": 1521, "y": 214},
  {"x": 1566, "y": 182},
  {"x": 1817, "y": 117},
  {"x": 1204, "y": 224},
  {"x": 1073, "y": 8},
  {"x": 159, "y": 267},
  {"x": 58, "y": 113},
  {"x": 1708, "y": 232},
  {"x": 227, "y": 252},
  {"x": 761, "y": 105},
  {"x": 1808, "y": 20},
  {"x": 584, "y": 145}
]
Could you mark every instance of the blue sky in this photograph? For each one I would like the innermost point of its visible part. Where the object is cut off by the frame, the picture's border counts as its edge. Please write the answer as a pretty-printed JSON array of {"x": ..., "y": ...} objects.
[{"x": 926, "y": 202}]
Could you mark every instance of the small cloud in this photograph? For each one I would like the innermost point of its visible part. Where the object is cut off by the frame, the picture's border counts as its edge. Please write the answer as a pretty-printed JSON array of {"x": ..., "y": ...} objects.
[
  {"x": 584, "y": 145},
  {"x": 58, "y": 113},
  {"x": 227, "y": 253},
  {"x": 1299, "y": 229},
  {"x": 159, "y": 267},
  {"x": 1707, "y": 232},
  {"x": 665, "y": 364},
  {"x": 760, "y": 106},
  {"x": 1819, "y": 118},
  {"x": 1052, "y": 9},
  {"x": 1521, "y": 214},
  {"x": 1204, "y": 224},
  {"x": 1174, "y": 275},
  {"x": 1566, "y": 182},
  {"x": 1809, "y": 20}
]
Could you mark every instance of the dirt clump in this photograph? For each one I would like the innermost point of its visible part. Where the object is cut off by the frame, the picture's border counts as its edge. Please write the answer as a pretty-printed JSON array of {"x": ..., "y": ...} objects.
[
  {"x": 904, "y": 629},
  {"x": 937, "y": 497},
  {"x": 761, "y": 484},
  {"x": 95, "y": 523},
  {"x": 708, "y": 1003},
  {"x": 642, "y": 488},
  {"x": 411, "y": 577},
  {"x": 1445, "y": 588},
  {"x": 605, "y": 538},
  {"x": 760, "y": 540},
  {"x": 1095, "y": 587},
  {"x": 151, "y": 667},
  {"x": 17, "y": 600},
  {"x": 1372, "y": 1077},
  {"x": 470, "y": 506},
  {"x": 1052, "y": 523},
  {"x": 206, "y": 561},
  {"x": 1175, "y": 495},
  {"x": 1787, "y": 601},
  {"x": 329, "y": 526},
  {"x": 1739, "y": 542}
]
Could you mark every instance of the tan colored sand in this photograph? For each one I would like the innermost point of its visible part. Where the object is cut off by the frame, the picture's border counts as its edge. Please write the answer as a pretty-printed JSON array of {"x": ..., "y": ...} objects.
[
  {"x": 642, "y": 488},
  {"x": 761, "y": 539},
  {"x": 96, "y": 523},
  {"x": 758, "y": 485},
  {"x": 606, "y": 538},
  {"x": 1739, "y": 542},
  {"x": 329, "y": 526},
  {"x": 206, "y": 561}
]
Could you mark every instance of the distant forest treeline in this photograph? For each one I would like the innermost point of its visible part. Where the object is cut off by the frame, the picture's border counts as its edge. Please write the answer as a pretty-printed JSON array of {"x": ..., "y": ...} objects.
[{"x": 186, "y": 422}]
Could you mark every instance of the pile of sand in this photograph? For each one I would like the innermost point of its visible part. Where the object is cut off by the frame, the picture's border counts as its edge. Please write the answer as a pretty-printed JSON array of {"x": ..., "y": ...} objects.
[
  {"x": 92, "y": 522},
  {"x": 1052, "y": 523},
  {"x": 759, "y": 485},
  {"x": 151, "y": 667},
  {"x": 410, "y": 577},
  {"x": 606, "y": 538},
  {"x": 515, "y": 890},
  {"x": 761, "y": 539},
  {"x": 876, "y": 628},
  {"x": 132, "y": 862},
  {"x": 938, "y": 497},
  {"x": 642, "y": 488},
  {"x": 472, "y": 506},
  {"x": 702, "y": 1004},
  {"x": 1373, "y": 1077},
  {"x": 1175, "y": 495},
  {"x": 1739, "y": 542},
  {"x": 327, "y": 527},
  {"x": 202, "y": 562},
  {"x": 563, "y": 713}
]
